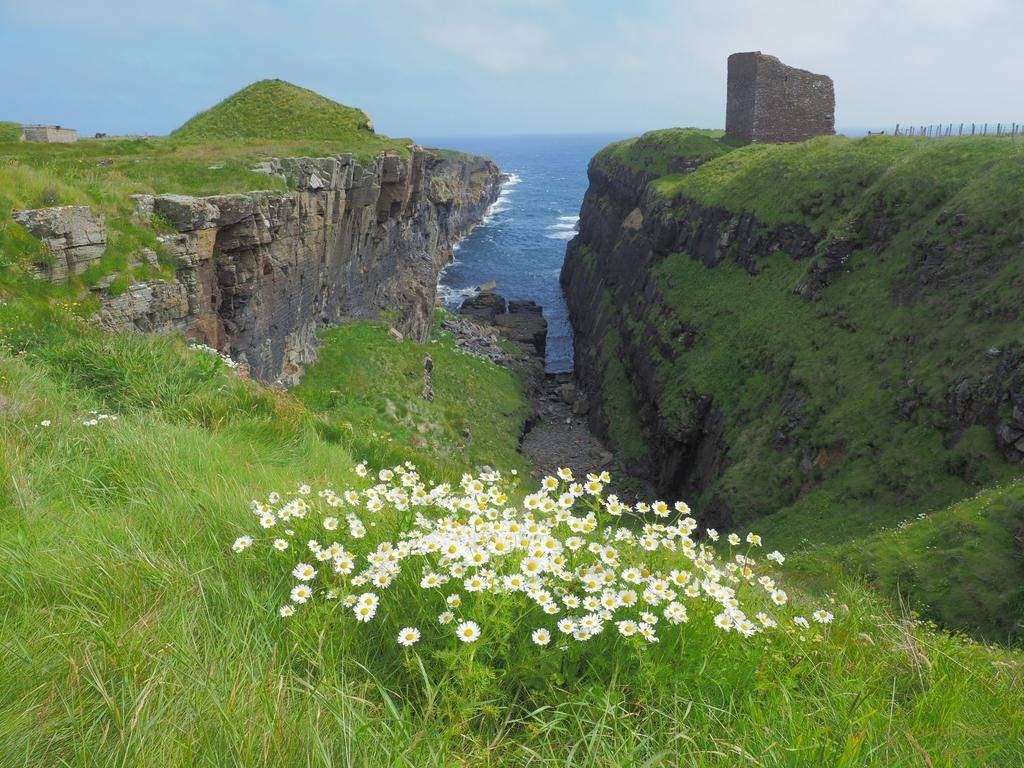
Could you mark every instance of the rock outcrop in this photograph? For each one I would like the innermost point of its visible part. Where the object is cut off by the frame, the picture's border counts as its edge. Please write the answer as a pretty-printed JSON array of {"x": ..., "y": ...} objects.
[
  {"x": 259, "y": 274},
  {"x": 74, "y": 235}
]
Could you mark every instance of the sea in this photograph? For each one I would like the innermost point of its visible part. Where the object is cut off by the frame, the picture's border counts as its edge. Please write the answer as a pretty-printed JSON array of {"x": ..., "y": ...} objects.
[{"x": 521, "y": 242}]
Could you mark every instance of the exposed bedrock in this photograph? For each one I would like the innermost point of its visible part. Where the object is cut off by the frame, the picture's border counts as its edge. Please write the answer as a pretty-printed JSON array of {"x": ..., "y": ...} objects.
[{"x": 259, "y": 274}]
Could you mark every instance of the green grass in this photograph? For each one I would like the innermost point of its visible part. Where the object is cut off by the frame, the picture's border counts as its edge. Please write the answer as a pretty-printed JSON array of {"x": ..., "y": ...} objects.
[
  {"x": 274, "y": 109},
  {"x": 9, "y": 132},
  {"x": 129, "y": 635},
  {"x": 659, "y": 153},
  {"x": 962, "y": 566},
  {"x": 365, "y": 382}
]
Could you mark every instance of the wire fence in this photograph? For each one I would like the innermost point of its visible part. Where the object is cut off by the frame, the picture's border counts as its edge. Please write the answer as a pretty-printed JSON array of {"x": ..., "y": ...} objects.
[{"x": 948, "y": 130}]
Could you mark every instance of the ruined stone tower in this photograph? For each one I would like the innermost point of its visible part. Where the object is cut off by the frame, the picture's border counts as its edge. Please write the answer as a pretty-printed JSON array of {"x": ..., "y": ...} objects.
[{"x": 770, "y": 102}]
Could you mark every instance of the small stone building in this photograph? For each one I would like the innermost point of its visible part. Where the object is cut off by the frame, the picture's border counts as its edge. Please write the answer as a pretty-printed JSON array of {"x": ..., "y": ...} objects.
[
  {"x": 770, "y": 102},
  {"x": 49, "y": 134}
]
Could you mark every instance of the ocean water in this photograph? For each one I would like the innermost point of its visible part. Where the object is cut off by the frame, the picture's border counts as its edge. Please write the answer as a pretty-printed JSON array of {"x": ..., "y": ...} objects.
[{"x": 521, "y": 242}]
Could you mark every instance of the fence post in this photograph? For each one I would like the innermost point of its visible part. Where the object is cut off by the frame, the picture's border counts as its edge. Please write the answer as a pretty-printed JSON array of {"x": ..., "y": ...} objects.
[
  {"x": 897, "y": 131},
  {"x": 998, "y": 128},
  {"x": 985, "y": 131},
  {"x": 961, "y": 130},
  {"x": 972, "y": 129}
]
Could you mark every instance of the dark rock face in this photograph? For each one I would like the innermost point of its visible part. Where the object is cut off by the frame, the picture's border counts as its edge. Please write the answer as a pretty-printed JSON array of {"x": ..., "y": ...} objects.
[
  {"x": 770, "y": 102},
  {"x": 625, "y": 231},
  {"x": 259, "y": 274},
  {"x": 519, "y": 321}
]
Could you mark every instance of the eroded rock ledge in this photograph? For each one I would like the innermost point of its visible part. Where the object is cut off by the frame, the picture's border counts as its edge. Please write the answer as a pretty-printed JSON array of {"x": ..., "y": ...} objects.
[{"x": 258, "y": 274}]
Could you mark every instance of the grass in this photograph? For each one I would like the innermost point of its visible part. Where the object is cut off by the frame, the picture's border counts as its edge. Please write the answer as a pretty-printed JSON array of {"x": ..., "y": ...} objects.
[
  {"x": 962, "y": 566},
  {"x": 663, "y": 152},
  {"x": 9, "y": 132},
  {"x": 873, "y": 362},
  {"x": 366, "y": 383},
  {"x": 129, "y": 635},
  {"x": 274, "y": 109}
]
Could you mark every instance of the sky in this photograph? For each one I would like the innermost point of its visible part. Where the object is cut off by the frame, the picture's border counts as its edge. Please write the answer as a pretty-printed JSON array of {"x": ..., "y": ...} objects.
[{"x": 428, "y": 68}]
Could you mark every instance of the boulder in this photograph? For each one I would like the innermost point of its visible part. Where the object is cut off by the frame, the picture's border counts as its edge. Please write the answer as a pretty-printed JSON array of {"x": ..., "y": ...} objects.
[
  {"x": 75, "y": 236},
  {"x": 530, "y": 330},
  {"x": 484, "y": 307}
]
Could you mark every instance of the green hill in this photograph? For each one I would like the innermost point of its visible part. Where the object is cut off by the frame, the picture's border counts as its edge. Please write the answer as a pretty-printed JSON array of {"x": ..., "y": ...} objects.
[{"x": 274, "y": 109}]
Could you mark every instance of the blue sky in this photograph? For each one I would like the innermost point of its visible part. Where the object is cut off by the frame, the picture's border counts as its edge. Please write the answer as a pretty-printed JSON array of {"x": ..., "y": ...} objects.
[{"x": 426, "y": 68}]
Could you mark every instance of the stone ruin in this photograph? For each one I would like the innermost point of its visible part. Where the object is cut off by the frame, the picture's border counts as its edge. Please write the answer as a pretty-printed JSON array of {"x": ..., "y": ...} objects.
[
  {"x": 49, "y": 134},
  {"x": 769, "y": 102}
]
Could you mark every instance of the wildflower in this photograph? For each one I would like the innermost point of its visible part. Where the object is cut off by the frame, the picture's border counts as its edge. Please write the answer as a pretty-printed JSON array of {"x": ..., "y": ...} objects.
[
  {"x": 286, "y": 611},
  {"x": 723, "y": 621},
  {"x": 779, "y": 597},
  {"x": 468, "y": 631},
  {"x": 627, "y": 628},
  {"x": 776, "y": 556},
  {"x": 268, "y": 520},
  {"x": 753, "y": 538},
  {"x": 408, "y": 636},
  {"x": 304, "y": 572},
  {"x": 45, "y": 423},
  {"x": 733, "y": 539},
  {"x": 712, "y": 534},
  {"x": 541, "y": 636},
  {"x": 280, "y": 545},
  {"x": 331, "y": 523},
  {"x": 242, "y": 543},
  {"x": 446, "y": 618},
  {"x": 822, "y": 617},
  {"x": 800, "y": 621},
  {"x": 301, "y": 593}
]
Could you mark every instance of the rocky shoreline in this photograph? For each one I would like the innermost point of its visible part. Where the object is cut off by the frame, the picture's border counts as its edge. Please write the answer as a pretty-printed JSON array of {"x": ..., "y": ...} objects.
[{"x": 513, "y": 334}]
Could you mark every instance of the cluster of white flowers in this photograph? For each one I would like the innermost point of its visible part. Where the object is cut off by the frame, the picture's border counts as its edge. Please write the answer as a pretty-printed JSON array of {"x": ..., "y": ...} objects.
[
  {"x": 228, "y": 361},
  {"x": 93, "y": 419},
  {"x": 587, "y": 561}
]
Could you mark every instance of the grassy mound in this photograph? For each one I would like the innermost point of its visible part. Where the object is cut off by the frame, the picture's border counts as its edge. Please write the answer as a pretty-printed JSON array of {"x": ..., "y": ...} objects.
[
  {"x": 274, "y": 109},
  {"x": 132, "y": 636},
  {"x": 667, "y": 151},
  {"x": 9, "y": 132}
]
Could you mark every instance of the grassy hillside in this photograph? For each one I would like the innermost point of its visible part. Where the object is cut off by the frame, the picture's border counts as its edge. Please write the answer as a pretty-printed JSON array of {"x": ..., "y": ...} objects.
[
  {"x": 840, "y": 409},
  {"x": 962, "y": 566},
  {"x": 280, "y": 111},
  {"x": 130, "y": 635}
]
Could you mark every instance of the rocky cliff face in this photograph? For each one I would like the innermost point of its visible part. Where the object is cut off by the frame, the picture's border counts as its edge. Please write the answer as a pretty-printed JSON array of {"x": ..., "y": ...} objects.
[
  {"x": 258, "y": 274},
  {"x": 749, "y": 366}
]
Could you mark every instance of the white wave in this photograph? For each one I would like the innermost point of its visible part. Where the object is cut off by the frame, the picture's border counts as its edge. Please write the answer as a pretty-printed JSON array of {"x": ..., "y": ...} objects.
[
  {"x": 453, "y": 297},
  {"x": 513, "y": 179},
  {"x": 562, "y": 234},
  {"x": 562, "y": 225},
  {"x": 570, "y": 219}
]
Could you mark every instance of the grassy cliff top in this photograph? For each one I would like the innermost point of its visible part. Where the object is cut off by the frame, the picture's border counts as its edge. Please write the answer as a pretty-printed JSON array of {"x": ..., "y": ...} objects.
[
  {"x": 669, "y": 150},
  {"x": 213, "y": 153}
]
